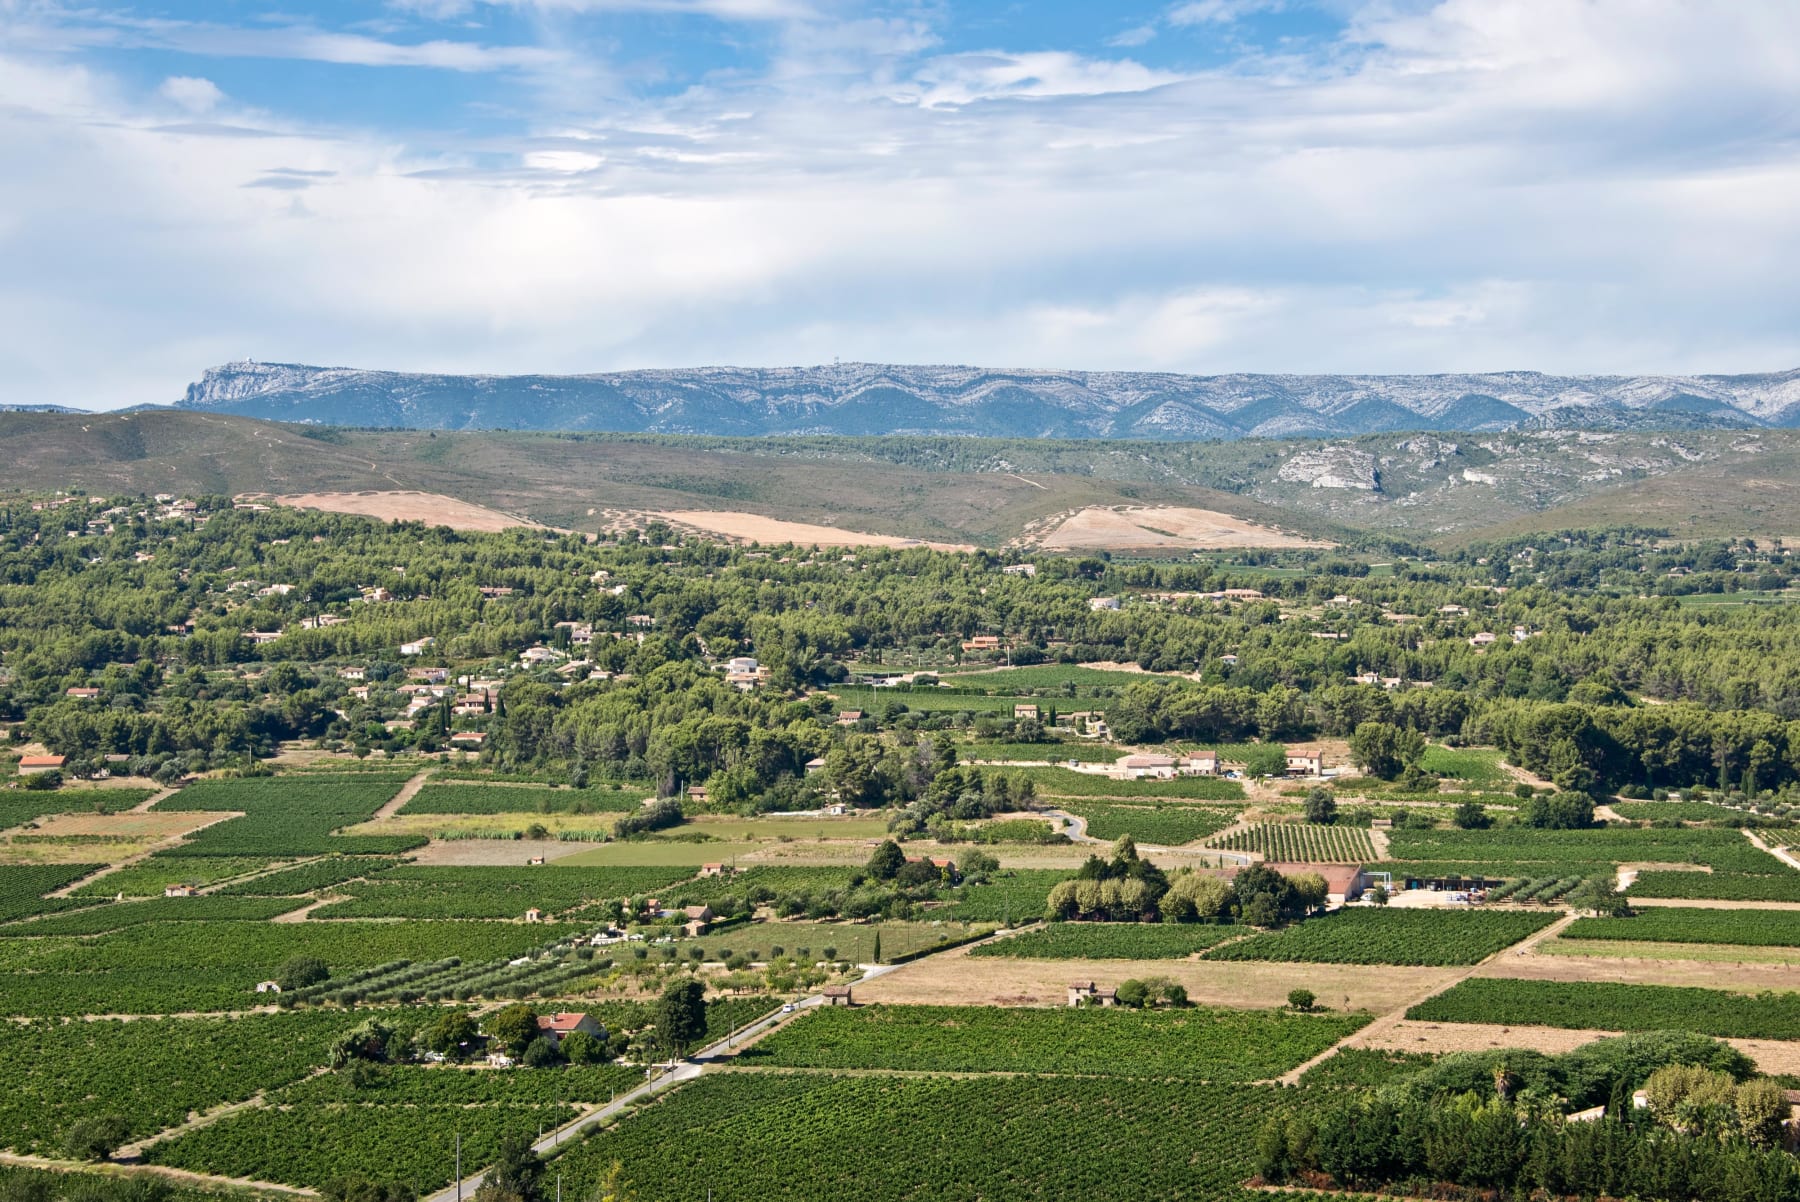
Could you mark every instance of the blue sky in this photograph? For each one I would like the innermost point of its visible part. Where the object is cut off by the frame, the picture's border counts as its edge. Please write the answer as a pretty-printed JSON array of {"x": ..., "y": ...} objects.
[{"x": 1195, "y": 185}]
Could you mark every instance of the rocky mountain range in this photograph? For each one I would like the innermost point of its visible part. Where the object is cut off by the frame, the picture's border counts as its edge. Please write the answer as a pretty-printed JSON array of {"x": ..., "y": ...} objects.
[{"x": 870, "y": 398}]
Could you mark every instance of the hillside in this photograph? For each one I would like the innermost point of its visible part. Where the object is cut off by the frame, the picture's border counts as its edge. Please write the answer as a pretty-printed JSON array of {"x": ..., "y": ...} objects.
[
  {"x": 985, "y": 492},
  {"x": 862, "y": 399}
]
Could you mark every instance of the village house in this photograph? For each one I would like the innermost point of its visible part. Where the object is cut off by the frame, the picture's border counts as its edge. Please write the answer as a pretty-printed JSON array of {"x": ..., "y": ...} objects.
[
  {"x": 1024, "y": 711},
  {"x": 1229, "y": 660},
  {"x": 713, "y": 870},
  {"x": 496, "y": 590},
  {"x": 1201, "y": 763},
  {"x": 849, "y": 717},
  {"x": 353, "y": 673},
  {"x": 82, "y": 694},
  {"x": 1143, "y": 764},
  {"x": 697, "y": 794},
  {"x": 428, "y": 675},
  {"x": 1088, "y": 993},
  {"x": 468, "y": 739},
  {"x": 813, "y": 765},
  {"x": 1308, "y": 763},
  {"x": 640, "y": 620},
  {"x": 982, "y": 642},
  {"x": 418, "y": 646},
  {"x": 261, "y": 637},
  {"x": 539, "y": 655},
  {"x": 558, "y": 1027},
  {"x": 31, "y": 765},
  {"x": 1100, "y": 603},
  {"x": 1343, "y": 882},
  {"x": 1485, "y": 638},
  {"x": 1020, "y": 569}
]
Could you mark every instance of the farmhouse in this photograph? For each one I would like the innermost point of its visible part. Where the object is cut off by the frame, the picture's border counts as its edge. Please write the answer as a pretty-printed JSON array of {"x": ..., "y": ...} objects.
[
  {"x": 1305, "y": 763},
  {"x": 1025, "y": 711},
  {"x": 1201, "y": 763},
  {"x": 468, "y": 739},
  {"x": 31, "y": 765},
  {"x": 558, "y": 1027},
  {"x": 1088, "y": 993},
  {"x": 1137, "y": 767},
  {"x": 982, "y": 642},
  {"x": 1100, "y": 603},
  {"x": 181, "y": 891},
  {"x": 82, "y": 694},
  {"x": 849, "y": 717},
  {"x": 1343, "y": 882},
  {"x": 837, "y": 995},
  {"x": 534, "y": 915}
]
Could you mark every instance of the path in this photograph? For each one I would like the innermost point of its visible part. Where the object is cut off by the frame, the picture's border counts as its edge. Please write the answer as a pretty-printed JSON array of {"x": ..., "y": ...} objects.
[
  {"x": 149, "y": 803},
  {"x": 305, "y": 911},
  {"x": 407, "y": 792},
  {"x": 1397, "y": 1015},
  {"x": 181, "y": 1176},
  {"x": 1075, "y": 827},
  {"x": 688, "y": 1070},
  {"x": 1780, "y": 853}
]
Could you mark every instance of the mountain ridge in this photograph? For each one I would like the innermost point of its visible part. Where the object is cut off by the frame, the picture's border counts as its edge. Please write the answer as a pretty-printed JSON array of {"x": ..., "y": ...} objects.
[{"x": 872, "y": 398}]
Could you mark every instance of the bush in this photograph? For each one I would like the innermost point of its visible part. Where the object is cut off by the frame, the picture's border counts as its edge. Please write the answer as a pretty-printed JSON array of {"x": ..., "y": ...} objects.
[
  {"x": 1302, "y": 999},
  {"x": 1472, "y": 816},
  {"x": 1321, "y": 807},
  {"x": 96, "y": 1138},
  {"x": 300, "y": 972}
]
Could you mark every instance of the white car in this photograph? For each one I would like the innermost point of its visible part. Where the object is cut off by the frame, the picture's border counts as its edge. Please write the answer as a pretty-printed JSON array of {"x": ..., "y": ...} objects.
[{"x": 788, "y": 1009}]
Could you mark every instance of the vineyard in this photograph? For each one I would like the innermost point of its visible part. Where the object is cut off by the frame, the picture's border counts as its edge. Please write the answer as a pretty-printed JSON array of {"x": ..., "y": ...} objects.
[
  {"x": 412, "y": 1085},
  {"x": 1513, "y": 851},
  {"x": 1015, "y": 896},
  {"x": 517, "y": 799},
  {"x": 308, "y": 878},
  {"x": 289, "y": 816},
  {"x": 1673, "y": 924},
  {"x": 1402, "y": 937},
  {"x": 1301, "y": 843},
  {"x": 1541, "y": 890},
  {"x": 22, "y": 887},
  {"x": 426, "y": 892},
  {"x": 1721, "y": 886},
  {"x": 1109, "y": 941},
  {"x": 152, "y": 1072},
  {"x": 117, "y": 916},
  {"x": 1054, "y": 753},
  {"x": 778, "y": 1137},
  {"x": 1169, "y": 825},
  {"x": 18, "y": 808},
  {"x": 149, "y": 877},
  {"x": 1601, "y": 1006},
  {"x": 1197, "y": 1044},
  {"x": 763, "y": 882},
  {"x": 1680, "y": 811},
  {"x": 309, "y": 1145}
]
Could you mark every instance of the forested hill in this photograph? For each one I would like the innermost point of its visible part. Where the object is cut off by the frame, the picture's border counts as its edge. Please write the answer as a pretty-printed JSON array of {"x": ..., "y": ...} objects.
[{"x": 874, "y": 399}]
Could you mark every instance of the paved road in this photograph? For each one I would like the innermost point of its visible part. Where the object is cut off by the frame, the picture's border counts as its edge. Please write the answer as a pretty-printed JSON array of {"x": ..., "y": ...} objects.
[{"x": 687, "y": 1070}]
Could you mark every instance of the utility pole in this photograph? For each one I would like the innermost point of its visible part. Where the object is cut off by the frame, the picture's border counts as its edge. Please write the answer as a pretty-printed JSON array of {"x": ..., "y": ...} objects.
[{"x": 459, "y": 1166}]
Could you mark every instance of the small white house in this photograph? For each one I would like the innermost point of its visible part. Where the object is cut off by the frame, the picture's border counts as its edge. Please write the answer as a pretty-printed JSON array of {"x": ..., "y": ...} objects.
[{"x": 268, "y": 987}]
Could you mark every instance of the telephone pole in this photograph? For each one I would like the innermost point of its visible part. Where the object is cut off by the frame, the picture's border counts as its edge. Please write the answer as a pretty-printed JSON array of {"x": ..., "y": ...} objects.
[{"x": 459, "y": 1166}]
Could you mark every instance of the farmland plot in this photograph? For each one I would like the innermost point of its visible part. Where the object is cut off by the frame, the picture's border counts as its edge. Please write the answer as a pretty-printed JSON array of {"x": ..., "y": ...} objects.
[
  {"x": 1603, "y": 1006},
  {"x": 1301, "y": 843},
  {"x": 1421, "y": 937},
  {"x": 1110, "y": 941}
]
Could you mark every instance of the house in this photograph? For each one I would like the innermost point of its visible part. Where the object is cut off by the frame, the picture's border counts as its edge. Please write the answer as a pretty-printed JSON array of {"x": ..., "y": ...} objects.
[
  {"x": 418, "y": 646},
  {"x": 558, "y": 1027},
  {"x": 493, "y": 590},
  {"x": 713, "y": 870},
  {"x": 813, "y": 765},
  {"x": 1088, "y": 993},
  {"x": 1306, "y": 763},
  {"x": 640, "y": 620},
  {"x": 1024, "y": 711},
  {"x": 181, "y": 891},
  {"x": 1137, "y": 767},
  {"x": 428, "y": 675},
  {"x": 1100, "y": 603},
  {"x": 1020, "y": 569},
  {"x": 468, "y": 739},
  {"x": 1201, "y": 763},
  {"x": 534, "y": 915},
  {"x": 499, "y": 1060},
  {"x": 1454, "y": 611},
  {"x": 539, "y": 655},
  {"x": 699, "y": 913},
  {"x": 262, "y": 637},
  {"x": 534, "y": 861},
  {"x": 82, "y": 694},
  {"x": 849, "y": 717},
  {"x": 837, "y": 995},
  {"x": 946, "y": 867},
  {"x": 1485, "y": 638},
  {"x": 1229, "y": 660},
  {"x": 31, "y": 765},
  {"x": 268, "y": 987},
  {"x": 697, "y": 794},
  {"x": 982, "y": 642},
  {"x": 353, "y": 673}
]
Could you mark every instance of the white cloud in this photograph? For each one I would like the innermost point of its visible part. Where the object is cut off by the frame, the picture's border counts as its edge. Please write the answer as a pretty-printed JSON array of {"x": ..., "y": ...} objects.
[
  {"x": 1137, "y": 35},
  {"x": 1220, "y": 12},
  {"x": 1492, "y": 184},
  {"x": 192, "y": 93}
]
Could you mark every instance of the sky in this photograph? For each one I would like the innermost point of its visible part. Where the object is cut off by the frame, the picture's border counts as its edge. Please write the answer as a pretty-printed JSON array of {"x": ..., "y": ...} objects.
[{"x": 1606, "y": 186}]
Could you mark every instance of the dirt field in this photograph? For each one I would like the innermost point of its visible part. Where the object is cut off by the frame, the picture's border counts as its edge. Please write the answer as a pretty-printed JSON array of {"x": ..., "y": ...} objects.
[
  {"x": 127, "y": 825},
  {"x": 1161, "y": 528},
  {"x": 1747, "y": 976},
  {"x": 955, "y": 978},
  {"x": 1407, "y": 1035},
  {"x": 430, "y": 508},
  {"x": 755, "y": 528}
]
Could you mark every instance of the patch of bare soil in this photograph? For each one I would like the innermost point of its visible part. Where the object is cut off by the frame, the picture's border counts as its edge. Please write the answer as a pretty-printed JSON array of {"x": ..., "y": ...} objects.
[
  {"x": 1746, "y": 977},
  {"x": 472, "y": 853},
  {"x": 433, "y": 509},
  {"x": 128, "y": 824},
  {"x": 1158, "y": 528},
  {"x": 1410, "y": 1035},
  {"x": 956, "y": 978},
  {"x": 755, "y": 528}
]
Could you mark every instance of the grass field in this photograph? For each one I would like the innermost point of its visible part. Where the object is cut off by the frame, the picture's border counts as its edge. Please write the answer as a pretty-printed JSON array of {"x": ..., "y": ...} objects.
[
  {"x": 1420, "y": 937},
  {"x": 1110, "y": 941}
]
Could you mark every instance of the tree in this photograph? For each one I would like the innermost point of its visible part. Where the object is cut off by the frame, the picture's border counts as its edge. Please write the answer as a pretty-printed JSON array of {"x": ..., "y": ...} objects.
[
  {"x": 1379, "y": 895},
  {"x": 1560, "y": 812},
  {"x": 1302, "y": 999},
  {"x": 681, "y": 1015},
  {"x": 876, "y": 954},
  {"x": 450, "y": 1033},
  {"x": 886, "y": 861},
  {"x": 1132, "y": 993},
  {"x": 1321, "y": 807},
  {"x": 540, "y": 1053},
  {"x": 300, "y": 972},
  {"x": 96, "y": 1138},
  {"x": 578, "y": 1047},
  {"x": 512, "y": 1027},
  {"x": 366, "y": 1041},
  {"x": 1266, "y": 759},
  {"x": 1472, "y": 816},
  {"x": 613, "y": 1187},
  {"x": 516, "y": 1173},
  {"x": 1384, "y": 750},
  {"x": 977, "y": 866}
]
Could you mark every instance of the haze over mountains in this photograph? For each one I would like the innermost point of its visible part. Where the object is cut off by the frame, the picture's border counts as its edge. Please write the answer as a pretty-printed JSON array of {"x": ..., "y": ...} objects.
[{"x": 870, "y": 399}]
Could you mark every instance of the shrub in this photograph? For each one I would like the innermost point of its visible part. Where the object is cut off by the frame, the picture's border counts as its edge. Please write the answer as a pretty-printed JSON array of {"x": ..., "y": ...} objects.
[
  {"x": 96, "y": 1138},
  {"x": 1302, "y": 999}
]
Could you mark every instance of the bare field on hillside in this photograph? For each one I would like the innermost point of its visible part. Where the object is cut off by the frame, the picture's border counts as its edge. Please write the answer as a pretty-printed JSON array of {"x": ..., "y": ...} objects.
[
  {"x": 433, "y": 509},
  {"x": 1747, "y": 976},
  {"x": 755, "y": 528},
  {"x": 956, "y": 979},
  {"x": 1410, "y": 1035},
  {"x": 1157, "y": 528},
  {"x": 127, "y": 825}
]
